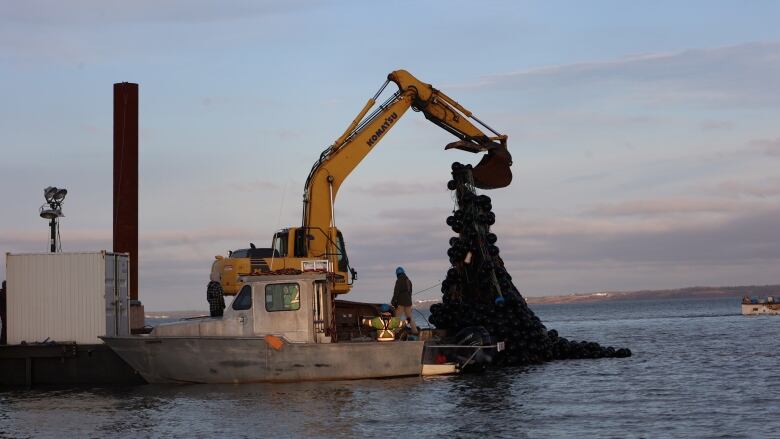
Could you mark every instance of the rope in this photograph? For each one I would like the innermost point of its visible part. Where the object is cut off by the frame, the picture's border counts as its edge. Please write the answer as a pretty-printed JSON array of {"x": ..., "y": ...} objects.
[
  {"x": 423, "y": 316},
  {"x": 422, "y": 291},
  {"x": 420, "y": 312}
]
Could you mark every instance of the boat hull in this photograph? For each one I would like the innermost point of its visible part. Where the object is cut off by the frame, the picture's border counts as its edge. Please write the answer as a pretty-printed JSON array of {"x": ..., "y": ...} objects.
[
  {"x": 760, "y": 309},
  {"x": 254, "y": 359}
]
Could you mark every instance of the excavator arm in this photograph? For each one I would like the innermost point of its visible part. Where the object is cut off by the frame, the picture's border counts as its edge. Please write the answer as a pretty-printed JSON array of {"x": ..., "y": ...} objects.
[
  {"x": 338, "y": 160},
  {"x": 448, "y": 114},
  {"x": 343, "y": 156},
  {"x": 493, "y": 171}
]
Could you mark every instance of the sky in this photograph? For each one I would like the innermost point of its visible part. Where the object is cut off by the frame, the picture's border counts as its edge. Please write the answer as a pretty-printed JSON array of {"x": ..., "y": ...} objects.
[{"x": 645, "y": 135}]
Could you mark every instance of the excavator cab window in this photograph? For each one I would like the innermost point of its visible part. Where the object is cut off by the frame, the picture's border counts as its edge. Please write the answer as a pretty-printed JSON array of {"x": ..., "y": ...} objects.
[
  {"x": 280, "y": 243},
  {"x": 343, "y": 262},
  {"x": 300, "y": 243}
]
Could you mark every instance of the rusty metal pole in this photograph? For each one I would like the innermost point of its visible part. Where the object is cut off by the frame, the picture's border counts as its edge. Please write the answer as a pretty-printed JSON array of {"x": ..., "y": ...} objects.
[{"x": 125, "y": 216}]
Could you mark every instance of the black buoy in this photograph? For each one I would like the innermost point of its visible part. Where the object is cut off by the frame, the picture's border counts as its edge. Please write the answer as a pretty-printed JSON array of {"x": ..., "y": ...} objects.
[{"x": 478, "y": 290}]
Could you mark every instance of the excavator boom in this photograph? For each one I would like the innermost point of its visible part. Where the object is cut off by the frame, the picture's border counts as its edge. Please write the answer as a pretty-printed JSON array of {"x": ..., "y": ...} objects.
[{"x": 366, "y": 130}]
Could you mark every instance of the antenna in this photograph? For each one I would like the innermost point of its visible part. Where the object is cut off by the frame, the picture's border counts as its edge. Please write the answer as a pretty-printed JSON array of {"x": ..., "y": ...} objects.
[{"x": 52, "y": 210}]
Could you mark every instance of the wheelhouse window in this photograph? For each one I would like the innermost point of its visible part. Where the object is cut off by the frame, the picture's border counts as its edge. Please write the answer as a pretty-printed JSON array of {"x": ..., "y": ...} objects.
[
  {"x": 244, "y": 299},
  {"x": 300, "y": 243},
  {"x": 282, "y": 297}
]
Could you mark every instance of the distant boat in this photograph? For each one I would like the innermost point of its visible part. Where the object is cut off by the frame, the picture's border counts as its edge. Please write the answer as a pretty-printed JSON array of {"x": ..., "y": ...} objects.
[{"x": 753, "y": 306}]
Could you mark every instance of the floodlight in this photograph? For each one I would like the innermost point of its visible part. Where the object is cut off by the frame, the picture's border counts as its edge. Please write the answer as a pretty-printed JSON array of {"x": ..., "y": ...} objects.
[
  {"x": 49, "y": 213},
  {"x": 51, "y": 210},
  {"x": 60, "y": 194},
  {"x": 49, "y": 192}
]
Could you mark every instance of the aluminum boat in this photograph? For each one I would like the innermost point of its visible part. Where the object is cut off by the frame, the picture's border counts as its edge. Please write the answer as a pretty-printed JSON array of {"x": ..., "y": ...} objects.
[{"x": 281, "y": 328}]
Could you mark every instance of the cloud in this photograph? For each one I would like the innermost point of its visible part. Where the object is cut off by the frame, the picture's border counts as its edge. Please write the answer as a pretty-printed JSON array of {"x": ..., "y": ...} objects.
[
  {"x": 396, "y": 189},
  {"x": 581, "y": 68},
  {"x": 415, "y": 215},
  {"x": 211, "y": 101},
  {"x": 100, "y": 239},
  {"x": 19, "y": 241},
  {"x": 587, "y": 177},
  {"x": 108, "y": 12},
  {"x": 251, "y": 186},
  {"x": 678, "y": 222},
  {"x": 716, "y": 125},
  {"x": 548, "y": 254},
  {"x": 87, "y": 34},
  {"x": 285, "y": 134},
  {"x": 173, "y": 264},
  {"x": 738, "y": 239},
  {"x": 536, "y": 280},
  {"x": 770, "y": 147},
  {"x": 545, "y": 254},
  {"x": 705, "y": 244},
  {"x": 765, "y": 188},
  {"x": 667, "y": 206},
  {"x": 743, "y": 75}
]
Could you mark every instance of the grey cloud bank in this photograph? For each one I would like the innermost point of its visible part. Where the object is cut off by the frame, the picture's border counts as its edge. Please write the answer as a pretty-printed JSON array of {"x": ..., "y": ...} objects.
[{"x": 736, "y": 75}]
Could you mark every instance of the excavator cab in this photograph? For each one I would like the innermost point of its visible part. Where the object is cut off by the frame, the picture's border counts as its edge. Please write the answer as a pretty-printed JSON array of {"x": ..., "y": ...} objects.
[
  {"x": 292, "y": 251},
  {"x": 240, "y": 262}
]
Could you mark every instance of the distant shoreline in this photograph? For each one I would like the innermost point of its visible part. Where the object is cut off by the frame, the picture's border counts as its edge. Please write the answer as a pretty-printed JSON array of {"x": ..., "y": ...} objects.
[
  {"x": 678, "y": 293},
  {"x": 599, "y": 296}
]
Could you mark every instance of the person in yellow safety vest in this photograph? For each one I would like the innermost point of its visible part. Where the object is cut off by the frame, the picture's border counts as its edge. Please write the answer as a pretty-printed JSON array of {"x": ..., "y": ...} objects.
[{"x": 385, "y": 324}]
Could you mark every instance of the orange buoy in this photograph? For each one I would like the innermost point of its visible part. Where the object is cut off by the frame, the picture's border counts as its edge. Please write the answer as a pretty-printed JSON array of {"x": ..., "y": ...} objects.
[{"x": 274, "y": 342}]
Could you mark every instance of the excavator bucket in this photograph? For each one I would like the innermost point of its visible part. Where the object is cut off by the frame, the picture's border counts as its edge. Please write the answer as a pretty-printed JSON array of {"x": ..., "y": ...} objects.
[{"x": 493, "y": 171}]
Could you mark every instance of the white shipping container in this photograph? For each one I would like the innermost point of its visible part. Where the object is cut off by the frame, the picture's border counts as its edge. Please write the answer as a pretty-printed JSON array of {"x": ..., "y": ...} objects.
[{"x": 67, "y": 296}]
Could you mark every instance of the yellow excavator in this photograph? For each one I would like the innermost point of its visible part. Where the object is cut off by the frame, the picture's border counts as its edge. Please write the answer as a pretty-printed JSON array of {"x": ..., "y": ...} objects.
[{"x": 317, "y": 243}]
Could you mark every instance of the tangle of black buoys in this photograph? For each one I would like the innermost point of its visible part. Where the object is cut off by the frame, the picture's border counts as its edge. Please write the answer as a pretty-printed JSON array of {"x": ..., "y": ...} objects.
[{"x": 478, "y": 290}]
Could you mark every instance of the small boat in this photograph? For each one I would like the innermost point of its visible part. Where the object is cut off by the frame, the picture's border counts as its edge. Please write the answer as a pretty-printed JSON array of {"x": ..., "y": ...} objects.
[
  {"x": 282, "y": 328},
  {"x": 753, "y": 306}
]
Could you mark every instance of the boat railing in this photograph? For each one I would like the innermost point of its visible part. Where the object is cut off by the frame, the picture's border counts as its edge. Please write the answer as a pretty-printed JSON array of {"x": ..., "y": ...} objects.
[{"x": 463, "y": 355}]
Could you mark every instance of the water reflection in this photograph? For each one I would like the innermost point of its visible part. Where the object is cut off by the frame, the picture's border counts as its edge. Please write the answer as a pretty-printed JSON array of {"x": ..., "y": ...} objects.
[
  {"x": 494, "y": 402},
  {"x": 689, "y": 377}
]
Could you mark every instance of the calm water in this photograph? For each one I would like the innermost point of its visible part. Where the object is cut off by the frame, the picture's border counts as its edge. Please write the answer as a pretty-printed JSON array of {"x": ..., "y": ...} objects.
[{"x": 699, "y": 370}]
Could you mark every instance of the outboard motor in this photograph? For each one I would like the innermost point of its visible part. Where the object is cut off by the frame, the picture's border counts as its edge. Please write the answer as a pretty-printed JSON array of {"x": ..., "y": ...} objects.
[{"x": 471, "y": 360}]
